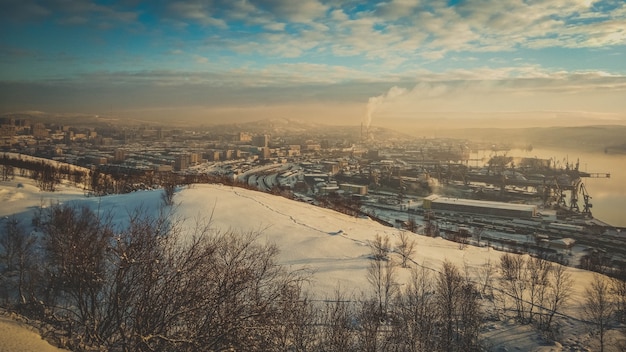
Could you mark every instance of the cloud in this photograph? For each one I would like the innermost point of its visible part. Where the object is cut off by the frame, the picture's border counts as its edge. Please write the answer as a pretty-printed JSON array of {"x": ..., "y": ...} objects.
[
  {"x": 284, "y": 51},
  {"x": 201, "y": 59},
  {"x": 69, "y": 12},
  {"x": 301, "y": 11},
  {"x": 268, "y": 13},
  {"x": 388, "y": 34},
  {"x": 397, "y": 8},
  {"x": 276, "y": 27},
  {"x": 484, "y": 89},
  {"x": 510, "y": 92},
  {"x": 23, "y": 10},
  {"x": 196, "y": 11}
]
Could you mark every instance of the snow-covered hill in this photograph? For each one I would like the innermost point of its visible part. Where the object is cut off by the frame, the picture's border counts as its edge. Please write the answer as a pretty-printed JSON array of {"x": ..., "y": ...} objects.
[{"x": 332, "y": 245}]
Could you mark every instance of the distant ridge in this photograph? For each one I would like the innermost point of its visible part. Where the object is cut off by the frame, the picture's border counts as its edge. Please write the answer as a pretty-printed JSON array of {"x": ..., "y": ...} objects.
[{"x": 588, "y": 138}]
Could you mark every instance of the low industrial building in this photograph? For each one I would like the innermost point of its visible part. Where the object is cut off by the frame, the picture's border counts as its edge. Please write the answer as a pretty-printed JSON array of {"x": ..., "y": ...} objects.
[
  {"x": 442, "y": 204},
  {"x": 353, "y": 189},
  {"x": 562, "y": 243}
]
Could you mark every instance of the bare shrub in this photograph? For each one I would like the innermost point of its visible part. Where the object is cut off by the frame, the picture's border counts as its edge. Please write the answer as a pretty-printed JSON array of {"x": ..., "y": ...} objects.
[
  {"x": 152, "y": 286},
  {"x": 75, "y": 243}
]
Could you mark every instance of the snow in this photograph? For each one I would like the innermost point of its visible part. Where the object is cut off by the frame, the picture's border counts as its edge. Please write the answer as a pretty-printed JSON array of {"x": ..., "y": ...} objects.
[
  {"x": 20, "y": 194},
  {"x": 16, "y": 336},
  {"x": 331, "y": 245}
]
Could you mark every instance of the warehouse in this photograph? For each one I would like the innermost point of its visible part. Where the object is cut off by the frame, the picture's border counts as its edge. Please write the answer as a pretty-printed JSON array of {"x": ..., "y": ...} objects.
[
  {"x": 353, "y": 189},
  {"x": 442, "y": 204}
]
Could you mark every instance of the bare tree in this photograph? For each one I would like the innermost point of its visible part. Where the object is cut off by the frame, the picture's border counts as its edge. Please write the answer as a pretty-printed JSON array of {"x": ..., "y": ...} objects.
[
  {"x": 296, "y": 329},
  {"x": 598, "y": 307},
  {"x": 169, "y": 188},
  {"x": 369, "y": 325},
  {"x": 142, "y": 292},
  {"x": 46, "y": 176},
  {"x": 462, "y": 239},
  {"x": 17, "y": 260},
  {"x": 618, "y": 290},
  {"x": 380, "y": 247},
  {"x": 596, "y": 261},
  {"x": 485, "y": 278},
  {"x": 7, "y": 172},
  {"x": 449, "y": 288},
  {"x": 478, "y": 233},
  {"x": 559, "y": 292},
  {"x": 337, "y": 328},
  {"x": 471, "y": 317},
  {"x": 406, "y": 247},
  {"x": 412, "y": 224},
  {"x": 382, "y": 277},
  {"x": 514, "y": 282},
  {"x": 75, "y": 243},
  {"x": 537, "y": 273},
  {"x": 416, "y": 314},
  {"x": 537, "y": 287}
]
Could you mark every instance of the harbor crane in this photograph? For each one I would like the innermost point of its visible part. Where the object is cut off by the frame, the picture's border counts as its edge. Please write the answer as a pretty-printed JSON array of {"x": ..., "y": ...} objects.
[{"x": 586, "y": 197}]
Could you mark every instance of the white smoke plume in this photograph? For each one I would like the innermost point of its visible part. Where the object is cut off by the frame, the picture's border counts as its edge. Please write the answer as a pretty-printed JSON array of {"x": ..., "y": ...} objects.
[{"x": 374, "y": 102}]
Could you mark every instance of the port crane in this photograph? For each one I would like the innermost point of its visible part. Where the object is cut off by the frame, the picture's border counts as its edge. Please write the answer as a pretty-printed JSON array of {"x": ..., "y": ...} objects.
[
  {"x": 553, "y": 183},
  {"x": 580, "y": 189},
  {"x": 586, "y": 197}
]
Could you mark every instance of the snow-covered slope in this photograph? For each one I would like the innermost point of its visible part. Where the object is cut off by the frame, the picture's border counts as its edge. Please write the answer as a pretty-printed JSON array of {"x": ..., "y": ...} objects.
[{"x": 332, "y": 245}]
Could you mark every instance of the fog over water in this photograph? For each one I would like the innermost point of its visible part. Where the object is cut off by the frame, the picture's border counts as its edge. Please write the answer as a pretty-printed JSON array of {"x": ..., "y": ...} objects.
[{"x": 608, "y": 194}]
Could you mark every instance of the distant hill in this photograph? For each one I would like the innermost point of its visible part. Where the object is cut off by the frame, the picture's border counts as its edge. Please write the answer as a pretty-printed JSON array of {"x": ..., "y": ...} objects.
[
  {"x": 604, "y": 138},
  {"x": 294, "y": 127},
  {"x": 587, "y": 138},
  {"x": 73, "y": 119}
]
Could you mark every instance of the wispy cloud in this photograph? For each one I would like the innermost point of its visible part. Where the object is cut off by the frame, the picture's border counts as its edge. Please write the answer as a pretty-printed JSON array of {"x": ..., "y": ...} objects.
[
  {"x": 196, "y": 11},
  {"x": 224, "y": 52},
  {"x": 406, "y": 28}
]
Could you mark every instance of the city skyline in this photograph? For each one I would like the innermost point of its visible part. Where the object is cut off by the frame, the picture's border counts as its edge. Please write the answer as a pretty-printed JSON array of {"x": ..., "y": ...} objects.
[{"x": 339, "y": 61}]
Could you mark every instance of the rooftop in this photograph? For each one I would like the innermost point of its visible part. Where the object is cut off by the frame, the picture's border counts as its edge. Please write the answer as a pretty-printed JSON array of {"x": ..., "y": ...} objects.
[{"x": 479, "y": 203}]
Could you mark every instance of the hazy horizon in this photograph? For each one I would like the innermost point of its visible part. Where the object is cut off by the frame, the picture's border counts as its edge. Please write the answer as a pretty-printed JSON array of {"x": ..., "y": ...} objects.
[{"x": 388, "y": 63}]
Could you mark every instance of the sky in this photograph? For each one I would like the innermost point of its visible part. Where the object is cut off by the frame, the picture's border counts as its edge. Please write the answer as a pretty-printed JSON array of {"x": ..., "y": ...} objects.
[{"x": 326, "y": 60}]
